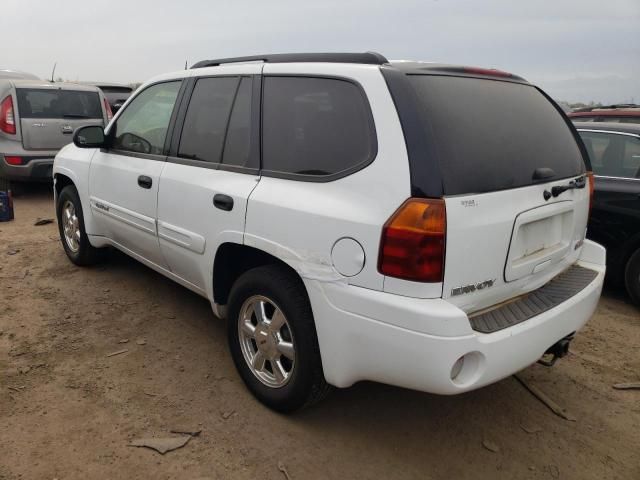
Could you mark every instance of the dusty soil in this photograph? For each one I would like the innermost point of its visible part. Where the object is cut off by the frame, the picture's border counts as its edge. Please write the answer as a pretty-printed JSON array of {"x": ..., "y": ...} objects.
[{"x": 69, "y": 411}]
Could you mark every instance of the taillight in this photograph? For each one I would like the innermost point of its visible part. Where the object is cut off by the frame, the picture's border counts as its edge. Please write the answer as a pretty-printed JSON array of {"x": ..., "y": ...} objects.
[
  {"x": 413, "y": 241},
  {"x": 592, "y": 183},
  {"x": 7, "y": 118},
  {"x": 492, "y": 72},
  {"x": 13, "y": 160},
  {"x": 107, "y": 107}
]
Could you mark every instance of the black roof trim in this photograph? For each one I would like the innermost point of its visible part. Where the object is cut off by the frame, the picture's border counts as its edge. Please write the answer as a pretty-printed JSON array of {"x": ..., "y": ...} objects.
[{"x": 370, "y": 58}]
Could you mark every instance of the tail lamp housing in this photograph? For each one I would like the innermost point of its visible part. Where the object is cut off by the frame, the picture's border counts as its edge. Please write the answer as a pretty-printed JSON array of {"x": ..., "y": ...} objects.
[
  {"x": 107, "y": 109},
  {"x": 591, "y": 184},
  {"x": 13, "y": 160},
  {"x": 413, "y": 241},
  {"x": 7, "y": 116}
]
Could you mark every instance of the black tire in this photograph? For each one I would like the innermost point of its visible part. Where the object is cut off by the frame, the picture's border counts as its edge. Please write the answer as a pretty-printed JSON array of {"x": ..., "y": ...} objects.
[
  {"x": 280, "y": 285},
  {"x": 5, "y": 185},
  {"x": 632, "y": 277},
  {"x": 85, "y": 254}
]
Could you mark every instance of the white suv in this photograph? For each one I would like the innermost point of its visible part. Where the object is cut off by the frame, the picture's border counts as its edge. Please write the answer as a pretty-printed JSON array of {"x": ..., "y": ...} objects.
[{"x": 415, "y": 224}]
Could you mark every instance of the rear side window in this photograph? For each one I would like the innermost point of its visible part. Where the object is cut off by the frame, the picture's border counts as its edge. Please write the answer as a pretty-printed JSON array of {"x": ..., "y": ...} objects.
[
  {"x": 613, "y": 155},
  {"x": 48, "y": 103},
  {"x": 492, "y": 135},
  {"x": 237, "y": 146},
  {"x": 315, "y": 126},
  {"x": 205, "y": 125}
]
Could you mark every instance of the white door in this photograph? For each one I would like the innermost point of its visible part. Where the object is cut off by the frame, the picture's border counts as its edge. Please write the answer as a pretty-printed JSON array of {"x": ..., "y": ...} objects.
[
  {"x": 207, "y": 180},
  {"x": 124, "y": 178}
]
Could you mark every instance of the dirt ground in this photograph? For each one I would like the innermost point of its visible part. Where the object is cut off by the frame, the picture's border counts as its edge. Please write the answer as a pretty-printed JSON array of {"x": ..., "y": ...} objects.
[{"x": 69, "y": 411}]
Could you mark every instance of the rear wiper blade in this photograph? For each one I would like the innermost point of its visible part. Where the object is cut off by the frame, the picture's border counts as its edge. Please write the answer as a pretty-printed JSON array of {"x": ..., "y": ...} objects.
[
  {"x": 580, "y": 182},
  {"x": 73, "y": 115}
]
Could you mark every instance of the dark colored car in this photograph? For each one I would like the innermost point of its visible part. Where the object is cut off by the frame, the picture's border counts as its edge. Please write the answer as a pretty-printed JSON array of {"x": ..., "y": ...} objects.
[
  {"x": 115, "y": 93},
  {"x": 625, "y": 113},
  {"x": 614, "y": 150}
]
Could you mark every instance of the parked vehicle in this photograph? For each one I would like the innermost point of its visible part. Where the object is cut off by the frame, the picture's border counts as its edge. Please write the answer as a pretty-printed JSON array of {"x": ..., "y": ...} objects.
[
  {"x": 625, "y": 113},
  {"x": 614, "y": 150},
  {"x": 37, "y": 118},
  {"x": 16, "y": 74},
  {"x": 116, "y": 93},
  {"x": 353, "y": 218}
]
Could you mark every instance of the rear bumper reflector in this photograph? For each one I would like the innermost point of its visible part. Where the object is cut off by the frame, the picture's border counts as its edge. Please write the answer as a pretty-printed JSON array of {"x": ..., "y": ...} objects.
[{"x": 558, "y": 290}]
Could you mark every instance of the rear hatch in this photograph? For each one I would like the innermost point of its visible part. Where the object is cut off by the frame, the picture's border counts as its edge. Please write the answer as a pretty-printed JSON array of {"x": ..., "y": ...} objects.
[
  {"x": 116, "y": 96},
  {"x": 49, "y": 116},
  {"x": 502, "y": 146}
]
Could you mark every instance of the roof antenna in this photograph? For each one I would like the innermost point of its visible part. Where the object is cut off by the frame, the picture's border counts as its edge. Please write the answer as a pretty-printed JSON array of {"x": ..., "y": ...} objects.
[
  {"x": 53, "y": 71},
  {"x": 185, "y": 65}
]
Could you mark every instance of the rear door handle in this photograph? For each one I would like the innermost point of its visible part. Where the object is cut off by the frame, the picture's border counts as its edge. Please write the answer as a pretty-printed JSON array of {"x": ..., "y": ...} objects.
[
  {"x": 145, "y": 182},
  {"x": 223, "y": 202}
]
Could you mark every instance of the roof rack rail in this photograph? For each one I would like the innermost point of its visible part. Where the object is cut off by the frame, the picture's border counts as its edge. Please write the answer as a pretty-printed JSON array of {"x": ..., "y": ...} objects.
[{"x": 370, "y": 58}]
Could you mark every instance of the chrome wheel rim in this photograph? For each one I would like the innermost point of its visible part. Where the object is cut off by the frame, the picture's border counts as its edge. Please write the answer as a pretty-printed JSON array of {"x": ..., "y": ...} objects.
[
  {"x": 71, "y": 226},
  {"x": 266, "y": 341}
]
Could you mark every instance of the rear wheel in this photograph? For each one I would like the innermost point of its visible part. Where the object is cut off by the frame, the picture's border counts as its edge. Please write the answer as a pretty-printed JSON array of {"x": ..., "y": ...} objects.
[
  {"x": 71, "y": 227},
  {"x": 632, "y": 277},
  {"x": 273, "y": 340}
]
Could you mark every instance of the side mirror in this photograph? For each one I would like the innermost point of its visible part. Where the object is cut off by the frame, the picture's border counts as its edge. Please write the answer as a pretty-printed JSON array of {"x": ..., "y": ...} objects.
[{"x": 91, "y": 136}]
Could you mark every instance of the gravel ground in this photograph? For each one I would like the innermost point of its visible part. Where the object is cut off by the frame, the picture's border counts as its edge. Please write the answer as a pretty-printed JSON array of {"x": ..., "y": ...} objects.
[{"x": 69, "y": 410}]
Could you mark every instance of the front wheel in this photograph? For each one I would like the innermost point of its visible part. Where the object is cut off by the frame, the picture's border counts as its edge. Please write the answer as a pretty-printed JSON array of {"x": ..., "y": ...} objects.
[
  {"x": 71, "y": 227},
  {"x": 632, "y": 277},
  {"x": 272, "y": 338}
]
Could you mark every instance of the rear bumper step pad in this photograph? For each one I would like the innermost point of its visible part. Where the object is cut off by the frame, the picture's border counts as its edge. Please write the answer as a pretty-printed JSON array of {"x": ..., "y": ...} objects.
[{"x": 558, "y": 290}]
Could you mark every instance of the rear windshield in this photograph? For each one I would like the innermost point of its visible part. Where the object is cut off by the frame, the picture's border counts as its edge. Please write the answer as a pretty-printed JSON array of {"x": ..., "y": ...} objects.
[
  {"x": 492, "y": 135},
  {"x": 116, "y": 94},
  {"x": 48, "y": 103}
]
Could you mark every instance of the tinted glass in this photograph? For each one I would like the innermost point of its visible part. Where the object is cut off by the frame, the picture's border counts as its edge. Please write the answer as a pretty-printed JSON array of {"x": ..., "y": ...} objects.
[
  {"x": 142, "y": 127},
  {"x": 116, "y": 94},
  {"x": 315, "y": 126},
  {"x": 238, "y": 143},
  {"x": 45, "y": 103},
  {"x": 613, "y": 155},
  {"x": 205, "y": 124},
  {"x": 491, "y": 135}
]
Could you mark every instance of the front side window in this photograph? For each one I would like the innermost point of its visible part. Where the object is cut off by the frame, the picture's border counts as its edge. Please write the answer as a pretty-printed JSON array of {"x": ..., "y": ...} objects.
[
  {"x": 142, "y": 127},
  {"x": 315, "y": 126},
  {"x": 613, "y": 155}
]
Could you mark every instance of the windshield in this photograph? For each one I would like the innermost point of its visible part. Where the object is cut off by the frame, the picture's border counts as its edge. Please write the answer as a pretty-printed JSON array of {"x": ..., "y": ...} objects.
[
  {"x": 49, "y": 103},
  {"x": 492, "y": 135}
]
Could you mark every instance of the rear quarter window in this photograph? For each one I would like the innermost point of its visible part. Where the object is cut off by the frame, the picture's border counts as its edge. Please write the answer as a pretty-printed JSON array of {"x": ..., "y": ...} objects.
[
  {"x": 48, "y": 103},
  {"x": 492, "y": 135},
  {"x": 316, "y": 127}
]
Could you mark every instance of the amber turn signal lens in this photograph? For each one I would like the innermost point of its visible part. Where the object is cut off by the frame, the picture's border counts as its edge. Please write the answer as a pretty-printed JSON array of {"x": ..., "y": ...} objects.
[{"x": 413, "y": 241}]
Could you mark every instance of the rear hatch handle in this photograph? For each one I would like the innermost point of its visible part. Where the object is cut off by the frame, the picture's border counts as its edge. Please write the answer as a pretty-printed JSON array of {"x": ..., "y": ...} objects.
[{"x": 558, "y": 190}]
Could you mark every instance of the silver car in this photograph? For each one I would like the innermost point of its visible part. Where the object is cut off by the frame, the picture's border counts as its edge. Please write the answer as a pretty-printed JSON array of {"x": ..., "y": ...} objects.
[{"x": 37, "y": 118}]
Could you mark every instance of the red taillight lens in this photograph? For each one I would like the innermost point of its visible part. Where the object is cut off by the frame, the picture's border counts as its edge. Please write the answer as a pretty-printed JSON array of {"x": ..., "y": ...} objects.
[
  {"x": 13, "y": 160},
  {"x": 7, "y": 118},
  {"x": 592, "y": 184},
  {"x": 107, "y": 107},
  {"x": 492, "y": 72},
  {"x": 413, "y": 241}
]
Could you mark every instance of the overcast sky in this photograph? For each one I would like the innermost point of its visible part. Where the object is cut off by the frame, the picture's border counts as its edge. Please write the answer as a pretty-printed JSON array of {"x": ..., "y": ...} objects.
[{"x": 578, "y": 50}]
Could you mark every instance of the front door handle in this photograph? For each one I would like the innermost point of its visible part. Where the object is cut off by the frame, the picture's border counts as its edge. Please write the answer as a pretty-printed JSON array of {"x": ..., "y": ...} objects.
[
  {"x": 145, "y": 182},
  {"x": 223, "y": 202}
]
